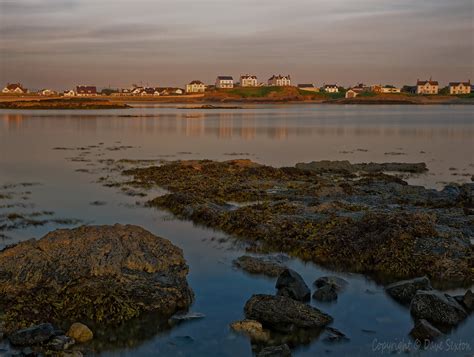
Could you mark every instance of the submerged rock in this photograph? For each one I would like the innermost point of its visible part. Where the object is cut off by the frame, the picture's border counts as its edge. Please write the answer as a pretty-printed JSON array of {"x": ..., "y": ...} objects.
[
  {"x": 254, "y": 265},
  {"x": 275, "y": 351},
  {"x": 292, "y": 285},
  {"x": 424, "y": 331},
  {"x": 404, "y": 291},
  {"x": 325, "y": 293},
  {"x": 32, "y": 335},
  {"x": 60, "y": 343},
  {"x": 181, "y": 317},
  {"x": 334, "y": 281},
  {"x": 251, "y": 328},
  {"x": 80, "y": 332},
  {"x": 333, "y": 335},
  {"x": 437, "y": 308},
  {"x": 281, "y": 313},
  {"x": 106, "y": 274}
]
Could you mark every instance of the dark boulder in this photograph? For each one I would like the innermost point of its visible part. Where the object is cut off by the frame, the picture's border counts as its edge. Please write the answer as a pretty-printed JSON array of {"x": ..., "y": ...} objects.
[
  {"x": 280, "y": 313},
  {"x": 31, "y": 336},
  {"x": 437, "y": 308},
  {"x": 424, "y": 331},
  {"x": 254, "y": 265},
  {"x": 333, "y": 335},
  {"x": 325, "y": 293},
  {"x": 292, "y": 285},
  {"x": 468, "y": 300},
  {"x": 275, "y": 351},
  {"x": 335, "y": 281},
  {"x": 404, "y": 291},
  {"x": 106, "y": 274}
]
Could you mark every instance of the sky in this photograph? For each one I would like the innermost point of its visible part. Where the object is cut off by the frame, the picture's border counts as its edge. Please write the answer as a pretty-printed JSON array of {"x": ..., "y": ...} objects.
[{"x": 61, "y": 43}]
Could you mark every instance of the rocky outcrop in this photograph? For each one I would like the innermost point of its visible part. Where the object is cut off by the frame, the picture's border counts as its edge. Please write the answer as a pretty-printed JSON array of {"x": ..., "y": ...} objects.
[
  {"x": 275, "y": 351},
  {"x": 325, "y": 293},
  {"x": 80, "y": 332},
  {"x": 281, "y": 313},
  {"x": 292, "y": 285},
  {"x": 32, "y": 335},
  {"x": 404, "y": 291},
  {"x": 437, "y": 308},
  {"x": 338, "y": 283},
  {"x": 263, "y": 266},
  {"x": 344, "y": 166},
  {"x": 424, "y": 331},
  {"x": 251, "y": 328},
  {"x": 468, "y": 300},
  {"x": 106, "y": 274}
]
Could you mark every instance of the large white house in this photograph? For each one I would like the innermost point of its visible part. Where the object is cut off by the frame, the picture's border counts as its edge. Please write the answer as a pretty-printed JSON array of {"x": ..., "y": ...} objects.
[
  {"x": 195, "y": 87},
  {"x": 279, "y": 81},
  {"x": 427, "y": 87},
  {"x": 460, "y": 87},
  {"x": 331, "y": 88},
  {"x": 224, "y": 82},
  {"x": 14, "y": 88},
  {"x": 248, "y": 80}
]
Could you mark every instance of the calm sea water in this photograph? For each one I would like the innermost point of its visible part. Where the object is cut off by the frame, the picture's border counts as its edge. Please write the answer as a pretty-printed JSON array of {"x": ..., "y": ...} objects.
[{"x": 441, "y": 136}]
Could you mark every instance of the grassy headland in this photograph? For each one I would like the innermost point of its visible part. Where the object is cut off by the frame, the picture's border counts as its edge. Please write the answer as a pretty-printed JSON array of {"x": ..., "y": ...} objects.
[{"x": 63, "y": 103}]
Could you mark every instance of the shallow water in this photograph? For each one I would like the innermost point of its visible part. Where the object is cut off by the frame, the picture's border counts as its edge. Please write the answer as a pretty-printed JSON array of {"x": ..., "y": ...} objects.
[{"x": 441, "y": 136}]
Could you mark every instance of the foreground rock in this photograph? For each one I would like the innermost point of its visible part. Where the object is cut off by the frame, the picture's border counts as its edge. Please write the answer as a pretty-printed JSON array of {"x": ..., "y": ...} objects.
[
  {"x": 275, "y": 351},
  {"x": 105, "y": 274},
  {"x": 437, "y": 308},
  {"x": 292, "y": 285},
  {"x": 326, "y": 293},
  {"x": 344, "y": 166},
  {"x": 254, "y": 265},
  {"x": 468, "y": 300},
  {"x": 80, "y": 332},
  {"x": 251, "y": 328},
  {"x": 280, "y": 313},
  {"x": 338, "y": 283},
  {"x": 32, "y": 336},
  {"x": 404, "y": 291},
  {"x": 424, "y": 331}
]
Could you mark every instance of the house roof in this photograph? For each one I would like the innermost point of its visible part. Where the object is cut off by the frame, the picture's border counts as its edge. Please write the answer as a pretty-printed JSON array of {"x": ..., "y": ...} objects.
[
  {"x": 13, "y": 86},
  {"x": 225, "y": 78},
  {"x": 248, "y": 76},
  {"x": 422, "y": 83},
  {"x": 455, "y": 84},
  {"x": 279, "y": 77},
  {"x": 330, "y": 86},
  {"x": 196, "y": 82},
  {"x": 91, "y": 89}
]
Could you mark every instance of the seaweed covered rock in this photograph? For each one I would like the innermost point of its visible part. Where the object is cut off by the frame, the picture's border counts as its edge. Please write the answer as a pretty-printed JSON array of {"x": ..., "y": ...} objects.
[
  {"x": 256, "y": 265},
  {"x": 404, "y": 291},
  {"x": 103, "y": 274},
  {"x": 275, "y": 351},
  {"x": 280, "y": 313},
  {"x": 292, "y": 285},
  {"x": 437, "y": 308}
]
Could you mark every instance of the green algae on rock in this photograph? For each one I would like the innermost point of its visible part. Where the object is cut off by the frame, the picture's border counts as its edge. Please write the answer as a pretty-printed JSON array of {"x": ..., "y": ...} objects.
[
  {"x": 371, "y": 223},
  {"x": 96, "y": 274}
]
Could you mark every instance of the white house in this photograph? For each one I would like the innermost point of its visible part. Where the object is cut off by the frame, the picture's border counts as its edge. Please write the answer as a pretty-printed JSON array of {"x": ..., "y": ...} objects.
[
  {"x": 14, "y": 88},
  {"x": 195, "y": 87},
  {"x": 390, "y": 89},
  {"x": 47, "y": 92},
  {"x": 248, "y": 80},
  {"x": 460, "y": 87},
  {"x": 427, "y": 87},
  {"x": 69, "y": 93},
  {"x": 224, "y": 82},
  {"x": 279, "y": 81},
  {"x": 331, "y": 88}
]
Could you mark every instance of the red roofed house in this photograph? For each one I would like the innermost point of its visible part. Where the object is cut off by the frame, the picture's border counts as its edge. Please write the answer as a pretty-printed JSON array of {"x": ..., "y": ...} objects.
[
  {"x": 85, "y": 91},
  {"x": 14, "y": 88},
  {"x": 460, "y": 87},
  {"x": 427, "y": 87}
]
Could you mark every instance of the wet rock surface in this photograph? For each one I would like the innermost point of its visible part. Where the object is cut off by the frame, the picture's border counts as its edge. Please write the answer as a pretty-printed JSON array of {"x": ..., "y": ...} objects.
[
  {"x": 102, "y": 274},
  {"x": 325, "y": 293},
  {"x": 292, "y": 285},
  {"x": 275, "y": 351},
  {"x": 259, "y": 265},
  {"x": 345, "y": 166},
  {"x": 404, "y": 291},
  {"x": 336, "y": 282},
  {"x": 32, "y": 335},
  {"x": 366, "y": 222},
  {"x": 437, "y": 308},
  {"x": 280, "y": 313},
  {"x": 251, "y": 328},
  {"x": 424, "y": 331}
]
